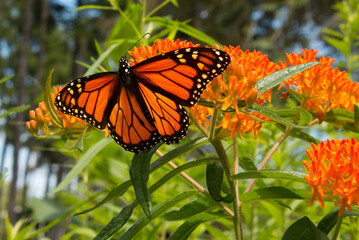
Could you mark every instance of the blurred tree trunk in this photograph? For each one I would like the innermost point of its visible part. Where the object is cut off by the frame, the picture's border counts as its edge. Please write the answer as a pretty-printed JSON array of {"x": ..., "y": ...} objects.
[
  {"x": 42, "y": 46},
  {"x": 81, "y": 42},
  {"x": 20, "y": 86}
]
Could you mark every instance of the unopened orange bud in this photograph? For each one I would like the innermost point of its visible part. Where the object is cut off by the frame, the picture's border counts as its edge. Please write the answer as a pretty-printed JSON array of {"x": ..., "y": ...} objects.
[
  {"x": 39, "y": 116},
  {"x": 28, "y": 128},
  {"x": 252, "y": 96},
  {"x": 42, "y": 106},
  {"x": 33, "y": 126},
  {"x": 32, "y": 115}
]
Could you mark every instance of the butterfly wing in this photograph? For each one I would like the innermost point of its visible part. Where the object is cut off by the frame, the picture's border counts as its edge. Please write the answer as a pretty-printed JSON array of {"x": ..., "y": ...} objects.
[
  {"x": 182, "y": 75},
  {"x": 89, "y": 98},
  {"x": 169, "y": 118},
  {"x": 128, "y": 124}
]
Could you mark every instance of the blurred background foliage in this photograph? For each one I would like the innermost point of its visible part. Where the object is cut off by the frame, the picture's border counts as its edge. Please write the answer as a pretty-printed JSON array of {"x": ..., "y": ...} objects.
[{"x": 39, "y": 35}]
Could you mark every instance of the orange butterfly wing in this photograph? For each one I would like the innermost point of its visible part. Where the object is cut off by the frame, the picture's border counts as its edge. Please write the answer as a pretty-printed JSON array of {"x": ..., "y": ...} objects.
[
  {"x": 182, "y": 75},
  {"x": 170, "y": 119},
  {"x": 128, "y": 123},
  {"x": 89, "y": 98}
]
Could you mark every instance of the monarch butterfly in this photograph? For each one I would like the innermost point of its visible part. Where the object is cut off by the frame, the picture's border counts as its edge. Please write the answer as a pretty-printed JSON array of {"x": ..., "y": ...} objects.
[{"x": 142, "y": 104}]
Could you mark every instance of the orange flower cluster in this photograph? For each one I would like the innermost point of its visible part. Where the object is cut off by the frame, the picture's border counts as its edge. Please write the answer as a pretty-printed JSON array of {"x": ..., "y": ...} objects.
[
  {"x": 245, "y": 70},
  {"x": 322, "y": 87},
  {"x": 334, "y": 172},
  {"x": 161, "y": 46},
  {"x": 40, "y": 119}
]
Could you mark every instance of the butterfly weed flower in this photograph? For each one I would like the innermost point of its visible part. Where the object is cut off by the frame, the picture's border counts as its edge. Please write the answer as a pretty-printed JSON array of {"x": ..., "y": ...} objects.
[
  {"x": 333, "y": 169},
  {"x": 39, "y": 123},
  {"x": 322, "y": 87},
  {"x": 237, "y": 85}
]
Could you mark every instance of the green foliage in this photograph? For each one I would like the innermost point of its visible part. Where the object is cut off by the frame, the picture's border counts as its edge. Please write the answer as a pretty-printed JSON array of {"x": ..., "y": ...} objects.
[
  {"x": 112, "y": 184},
  {"x": 345, "y": 39}
]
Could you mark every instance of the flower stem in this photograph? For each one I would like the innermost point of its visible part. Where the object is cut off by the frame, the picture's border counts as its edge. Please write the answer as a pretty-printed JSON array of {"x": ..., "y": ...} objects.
[
  {"x": 221, "y": 152},
  {"x": 337, "y": 227}
]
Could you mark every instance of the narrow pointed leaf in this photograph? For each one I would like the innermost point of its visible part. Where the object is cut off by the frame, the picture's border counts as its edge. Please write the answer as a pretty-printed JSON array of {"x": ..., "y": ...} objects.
[
  {"x": 117, "y": 192},
  {"x": 121, "y": 189},
  {"x": 50, "y": 106},
  {"x": 13, "y": 110},
  {"x": 214, "y": 178},
  {"x": 246, "y": 164},
  {"x": 274, "y": 193},
  {"x": 178, "y": 152},
  {"x": 304, "y": 229},
  {"x": 276, "y": 78},
  {"x": 339, "y": 115},
  {"x": 83, "y": 162},
  {"x": 4, "y": 79},
  {"x": 185, "y": 28},
  {"x": 292, "y": 175},
  {"x": 330, "y": 220},
  {"x": 116, "y": 223},
  {"x": 188, "y": 210},
  {"x": 140, "y": 172},
  {"x": 273, "y": 116},
  {"x": 157, "y": 211},
  {"x": 356, "y": 116},
  {"x": 190, "y": 225}
]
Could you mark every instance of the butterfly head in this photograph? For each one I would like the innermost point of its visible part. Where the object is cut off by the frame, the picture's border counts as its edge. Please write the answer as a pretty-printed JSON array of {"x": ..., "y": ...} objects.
[{"x": 124, "y": 66}]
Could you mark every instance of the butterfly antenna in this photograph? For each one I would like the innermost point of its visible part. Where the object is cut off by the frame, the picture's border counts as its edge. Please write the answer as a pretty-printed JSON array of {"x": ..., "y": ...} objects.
[{"x": 138, "y": 41}]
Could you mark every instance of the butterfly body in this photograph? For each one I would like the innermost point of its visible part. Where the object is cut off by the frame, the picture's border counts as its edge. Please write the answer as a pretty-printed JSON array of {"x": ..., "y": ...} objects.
[{"x": 142, "y": 104}]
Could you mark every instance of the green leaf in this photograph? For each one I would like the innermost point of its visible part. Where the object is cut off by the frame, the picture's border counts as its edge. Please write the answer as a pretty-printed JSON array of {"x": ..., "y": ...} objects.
[
  {"x": 101, "y": 58},
  {"x": 4, "y": 79},
  {"x": 63, "y": 216},
  {"x": 304, "y": 229},
  {"x": 356, "y": 116},
  {"x": 339, "y": 115},
  {"x": 99, "y": 7},
  {"x": 292, "y": 175},
  {"x": 214, "y": 179},
  {"x": 246, "y": 164},
  {"x": 304, "y": 116},
  {"x": 183, "y": 27},
  {"x": 157, "y": 211},
  {"x": 191, "y": 224},
  {"x": 117, "y": 192},
  {"x": 299, "y": 134},
  {"x": 338, "y": 44},
  {"x": 23, "y": 233},
  {"x": 274, "y": 193},
  {"x": 13, "y": 110},
  {"x": 83, "y": 162},
  {"x": 330, "y": 220},
  {"x": 139, "y": 172},
  {"x": 116, "y": 223},
  {"x": 272, "y": 115},
  {"x": 50, "y": 106},
  {"x": 178, "y": 152},
  {"x": 180, "y": 169},
  {"x": 188, "y": 210},
  {"x": 77, "y": 141},
  {"x": 278, "y": 77},
  {"x": 332, "y": 33}
]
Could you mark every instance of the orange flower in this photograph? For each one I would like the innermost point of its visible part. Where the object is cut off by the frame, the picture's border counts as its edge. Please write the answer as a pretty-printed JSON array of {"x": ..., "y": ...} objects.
[
  {"x": 322, "y": 87},
  {"x": 334, "y": 172},
  {"x": 245, "y": 70},
  {"x": 40, "y": 119},
  {"x": 161, "y": 46}
]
